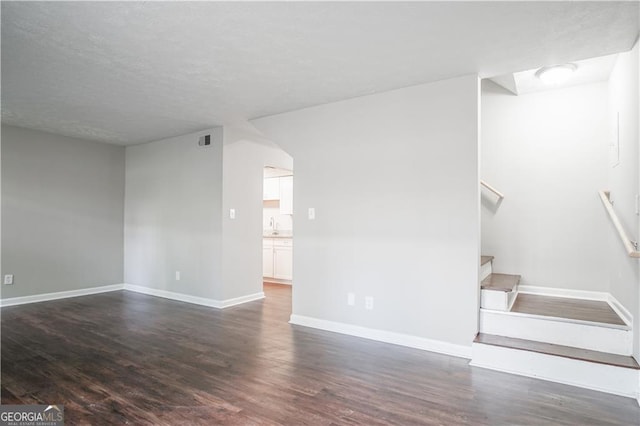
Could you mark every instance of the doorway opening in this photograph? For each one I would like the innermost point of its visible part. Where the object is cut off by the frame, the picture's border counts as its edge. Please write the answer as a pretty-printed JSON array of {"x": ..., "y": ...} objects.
[{"x": 277, "y": 234}]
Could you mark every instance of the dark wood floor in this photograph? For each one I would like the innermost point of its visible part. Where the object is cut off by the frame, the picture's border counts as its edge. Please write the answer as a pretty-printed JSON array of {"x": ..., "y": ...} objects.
[
  {"x": 562, "y": 307},
  {"x": 123, "y": 357}
]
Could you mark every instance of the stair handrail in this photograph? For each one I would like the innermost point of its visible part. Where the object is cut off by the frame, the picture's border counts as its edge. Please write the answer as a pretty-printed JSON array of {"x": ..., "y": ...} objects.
[
  {"x": 499, "y": 194},
  {"x": 630, "y": 246}
]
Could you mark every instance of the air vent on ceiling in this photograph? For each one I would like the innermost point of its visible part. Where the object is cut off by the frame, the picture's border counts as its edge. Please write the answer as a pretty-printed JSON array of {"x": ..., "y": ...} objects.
[{"x": 204, "y": 140}]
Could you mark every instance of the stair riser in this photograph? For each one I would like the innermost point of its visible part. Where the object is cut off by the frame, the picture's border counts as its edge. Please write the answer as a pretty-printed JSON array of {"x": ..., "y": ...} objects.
[
  {"x": 497, "y": 300},
  {"x": 486, "y": 270},
  {"x": 579, "y": 335},
  {"x": 600, "y": 377}
]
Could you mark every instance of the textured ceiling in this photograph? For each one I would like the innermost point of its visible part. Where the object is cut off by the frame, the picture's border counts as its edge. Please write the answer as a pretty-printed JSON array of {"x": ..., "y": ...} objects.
[{"x": 132, "y": 72}]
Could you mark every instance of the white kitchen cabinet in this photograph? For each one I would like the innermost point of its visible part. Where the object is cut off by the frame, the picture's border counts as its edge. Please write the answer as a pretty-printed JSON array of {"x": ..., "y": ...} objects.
[
  {"x": 286, "y": 195},
  {"x": 283, "y": 259},
  {"x": 267, "y": 257},
  {"x": 271, "y": 189},
  {"x": 277, "y": 258}
]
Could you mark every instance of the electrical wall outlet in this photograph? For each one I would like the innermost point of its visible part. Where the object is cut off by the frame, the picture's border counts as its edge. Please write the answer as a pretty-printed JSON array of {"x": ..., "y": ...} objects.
[
  {"x": 8, "y": 279},
  {"x": 177, "y": 275},
  {"x": 351, "y": 299},
  {"x": 368, "y": 303}
]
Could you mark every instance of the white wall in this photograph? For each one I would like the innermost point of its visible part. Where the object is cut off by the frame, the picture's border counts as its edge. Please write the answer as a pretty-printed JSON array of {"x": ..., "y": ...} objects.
[
  {"x": 394, "y": 181},
  {"x": 244, "y": 158},
  {"x": 177, "y": 203},
  {"x": 62, "y": 212},
  {"x": 547, "y": 152},
  {"x": 173, "y": 208},
  {"x": 624, "y": 88}
]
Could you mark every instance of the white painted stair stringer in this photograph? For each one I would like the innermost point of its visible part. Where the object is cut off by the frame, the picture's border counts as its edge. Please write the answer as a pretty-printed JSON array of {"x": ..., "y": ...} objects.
[
  {"x": 486, "y": 270},
  {"x": 579, "y": 334},
  {"x": 604, "y": 378}
]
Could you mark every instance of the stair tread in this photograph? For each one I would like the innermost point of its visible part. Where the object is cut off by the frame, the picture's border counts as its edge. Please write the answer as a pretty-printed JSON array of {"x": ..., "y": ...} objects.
[
  {"x": 558, "y": 350},
  {"x": 500, "y": 282},
  {"x": 562, "y": 307},
  {"x": 485, "y": 259}
]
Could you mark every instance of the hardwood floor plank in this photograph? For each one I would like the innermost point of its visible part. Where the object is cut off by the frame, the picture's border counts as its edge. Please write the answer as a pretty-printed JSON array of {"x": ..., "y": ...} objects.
[{"x": 124, "y": 357}]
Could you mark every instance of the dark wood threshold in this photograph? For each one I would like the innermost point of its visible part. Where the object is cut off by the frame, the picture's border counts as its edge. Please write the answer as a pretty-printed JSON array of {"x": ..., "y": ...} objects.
[
  {"x": 500, "y": 282},
  {"x": 558, "y": 350},
  {"x": 485, "y": 259},
  {"x": 562, "y": 307}
]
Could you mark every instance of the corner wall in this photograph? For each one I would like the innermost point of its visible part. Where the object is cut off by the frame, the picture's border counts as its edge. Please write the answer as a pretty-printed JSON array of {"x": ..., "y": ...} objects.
[
  {"x": 393, "y": 178},
  {"x": 62, "y": 213},
  {"x": 244, "y": 158},
  {"x": 173, "y": 207}
]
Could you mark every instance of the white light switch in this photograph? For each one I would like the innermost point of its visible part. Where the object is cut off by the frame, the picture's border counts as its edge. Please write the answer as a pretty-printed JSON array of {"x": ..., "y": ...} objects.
[
  {"x": 312, "y": 213},
  {"x": 8, "y": 279},
  {"x": 351, "y": 299},
  {"x": 177, "y": 275},
  {"x": 232, "y": 213}
]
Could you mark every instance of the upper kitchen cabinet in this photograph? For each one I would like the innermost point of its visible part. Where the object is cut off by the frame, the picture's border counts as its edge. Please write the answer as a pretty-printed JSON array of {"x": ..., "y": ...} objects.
[
  {"x": 286, "y": 195},
  {"x": 271, "y": 189}
]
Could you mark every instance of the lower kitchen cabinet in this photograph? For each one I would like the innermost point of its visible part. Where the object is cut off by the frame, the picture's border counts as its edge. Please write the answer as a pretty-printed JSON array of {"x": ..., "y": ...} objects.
[
  {"x": 267, "y": 257},
  {"x": 283, "y": 263},
  {"x": 277, "y": 258}
]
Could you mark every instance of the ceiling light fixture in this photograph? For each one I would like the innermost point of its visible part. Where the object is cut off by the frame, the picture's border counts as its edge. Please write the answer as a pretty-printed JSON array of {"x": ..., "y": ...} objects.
[{"x": 556, "y": 74}]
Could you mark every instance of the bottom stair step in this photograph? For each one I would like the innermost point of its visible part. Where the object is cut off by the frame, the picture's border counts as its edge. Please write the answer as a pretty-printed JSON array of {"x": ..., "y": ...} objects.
[
  {"x": 604, "y": 372},
  {"x": 559, "y": 350}
]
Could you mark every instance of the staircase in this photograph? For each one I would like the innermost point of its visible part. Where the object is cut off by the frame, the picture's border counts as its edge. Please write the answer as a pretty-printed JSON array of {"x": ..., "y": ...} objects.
[
  {"x": 498, "y": 291},
  {"x": 585, "y": 343}
]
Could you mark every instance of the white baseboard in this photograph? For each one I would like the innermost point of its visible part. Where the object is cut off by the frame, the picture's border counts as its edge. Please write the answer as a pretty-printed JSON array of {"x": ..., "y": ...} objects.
[
  {"x": 240, "y": 300},
  {"x": 620, "y": 310},
  {"x": 564, "y": 292},
  {"x": 384, "y": 336},
  {"x": 219, "y": 304},
  {"x": 181, "y": 297},
  {"x": 604, "y": 378},
  {"x": 12, "y": 301}
]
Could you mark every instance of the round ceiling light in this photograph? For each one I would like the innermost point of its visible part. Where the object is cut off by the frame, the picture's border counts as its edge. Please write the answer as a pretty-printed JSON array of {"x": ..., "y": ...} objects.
[{"x": 556, "y": 74}]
